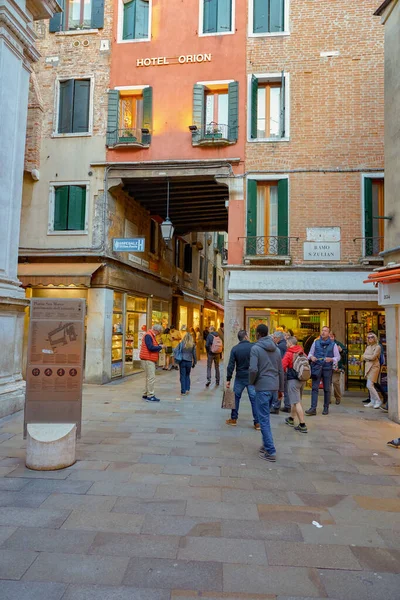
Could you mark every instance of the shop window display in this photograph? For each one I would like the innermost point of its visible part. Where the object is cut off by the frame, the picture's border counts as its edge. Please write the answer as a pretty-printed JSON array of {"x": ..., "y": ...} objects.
[
  {"x": 305, "y": 323},
  {"x": 117, "y": 336},
  {"x": 358, "y": 323}
]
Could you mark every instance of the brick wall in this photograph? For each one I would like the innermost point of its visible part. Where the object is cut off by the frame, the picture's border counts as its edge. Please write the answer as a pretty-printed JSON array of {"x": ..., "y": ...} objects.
[{"x": 33, "y": 126}]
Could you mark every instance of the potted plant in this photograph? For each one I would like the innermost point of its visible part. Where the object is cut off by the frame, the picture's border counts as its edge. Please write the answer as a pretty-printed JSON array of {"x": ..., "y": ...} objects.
[
  {"x": 127, "y": 136},
  {"x": 213, "y": 131}
]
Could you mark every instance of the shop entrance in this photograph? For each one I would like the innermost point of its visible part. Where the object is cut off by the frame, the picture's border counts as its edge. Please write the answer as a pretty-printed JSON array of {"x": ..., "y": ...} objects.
[
  {"x": 128, "y": 328},
  {"x": 358, "y": 323}
]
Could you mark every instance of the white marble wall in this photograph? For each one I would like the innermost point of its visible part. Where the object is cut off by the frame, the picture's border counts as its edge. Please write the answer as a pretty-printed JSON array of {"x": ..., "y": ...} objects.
[
  {"x": 393, "y": 360},
  {"x": 99, "y": 335}
]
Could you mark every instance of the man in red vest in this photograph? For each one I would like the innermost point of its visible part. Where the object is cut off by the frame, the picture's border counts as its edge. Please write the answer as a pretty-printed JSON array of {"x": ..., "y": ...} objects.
[{"x": 149, "y": 352}]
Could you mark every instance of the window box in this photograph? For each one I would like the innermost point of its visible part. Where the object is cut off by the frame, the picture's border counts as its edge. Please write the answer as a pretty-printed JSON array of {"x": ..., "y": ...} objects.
[
  {"x": 215, "y": 113},
  {"x": 130, "y": 117}
]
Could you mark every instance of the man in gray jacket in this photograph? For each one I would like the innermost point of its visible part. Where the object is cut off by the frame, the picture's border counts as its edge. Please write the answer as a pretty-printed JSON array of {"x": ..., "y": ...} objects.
[{"x": 266, "y": 374}]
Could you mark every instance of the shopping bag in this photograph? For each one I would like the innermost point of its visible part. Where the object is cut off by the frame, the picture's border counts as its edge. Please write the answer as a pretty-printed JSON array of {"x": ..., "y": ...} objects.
[
  {"x": 178, "y": 355},
  {"x": 228, "y": 399}
]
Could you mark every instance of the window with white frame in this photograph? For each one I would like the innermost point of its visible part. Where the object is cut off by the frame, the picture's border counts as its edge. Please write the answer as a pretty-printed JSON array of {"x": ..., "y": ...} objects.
[
  {"x": 216, "y": 17},
  {"x": 68, "y": 207},
  {"x": 269, "y": 107},
  {"x": 136, "y": 20},
  {"x": 74, "y": 106},
  {"x": 268, "y": 17}
]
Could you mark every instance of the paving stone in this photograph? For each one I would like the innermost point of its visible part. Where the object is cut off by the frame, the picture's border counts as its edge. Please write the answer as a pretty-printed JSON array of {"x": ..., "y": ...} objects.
[
  {"x": 160, "y": 525},
  {"x": 104, "y": 521},
  {"x": 222, "y": 550},
  {"x": 19, "y": 499},
  {"x": 123, "y": 544},
  {"x": 295, "y": 514},
  {"x": 159, "y": 459},
  {"x": 91, "y": 465},
  {"x": 137, "y": 490},
  {"x": 378, "y": 559},
  {"x": 277, "y": 580},
  {"x": 323, "y": 500},
  {"x": 295, "y": 554},
  {"x": 80, "y": 502},
  {"x": 364, "y": 585},
  {"x": 347, "y": 535},
  {"x": 153, "y": 507},
  {"x": 224, "y": 482},
  {"x": 368, "y": 503},
  {"x": 170, "y": 492},
  {"x": 5, "y": 533},
  {"x": 20, "y": 590},
  {"x": 13, "y": 485},
  {"x": 170, "y": 574},
  {"x": 50, "y": 540},
  {"x": 390, "y": 537},
  {"x": 32, "y": 517},
  {"x": 255, "y": 496},
  {"x": 261, "y": 530},
  {"x": 160, "y": 479},
  {"x": 219, "y": 510},
  {"x": 192, "y": 595},
  {"x": 14, "y": 563},
  {"x": 25, "y": 473},
  {"x": 99, "y": 592},
  {"x": 365, "y": 517},
  {"x": 52, "y": 486},
  {"x": 366, "y": 479},
  {"x": 356, "y": 489},
  {"x": 114, "y": 477},
  {"x": 78, "y": 568}
]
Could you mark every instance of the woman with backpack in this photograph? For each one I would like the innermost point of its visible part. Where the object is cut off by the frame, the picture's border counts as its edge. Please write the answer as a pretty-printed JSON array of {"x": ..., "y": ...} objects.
[
  {"x": 371, "y": 357},
  {"x": 185, "y": 355},
  {"x": 297, "y": 368}
]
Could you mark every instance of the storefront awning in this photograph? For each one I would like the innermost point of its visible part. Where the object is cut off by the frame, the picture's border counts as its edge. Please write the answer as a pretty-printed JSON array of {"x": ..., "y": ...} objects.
[
  {"x": 192, "y": 298},
  {"x": 57, "y": 274},
  {"x": 385, "y": 275},
  {"x": 213, "y": 305},
  {"x": 302, "y": 285}
]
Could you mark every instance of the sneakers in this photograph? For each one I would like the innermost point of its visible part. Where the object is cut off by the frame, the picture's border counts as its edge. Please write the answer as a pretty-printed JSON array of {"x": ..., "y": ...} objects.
[
  {"x": 144, "y": 397},
  {"x": 232, "y": 422},
  {"x": 369, "y": 405},
  {"x": 266, "y": 455},
  {"x": 301, "y": 428},
  {"x": 394, "y": 444},
  {"x": 285, "y": 409},
  {"x": 378, "y": 405},
  {"x": 257, "y": 426},
  {"x": 325, "y": 411},
  {"x": 366, "y": 401},
  {"x": 208, "y": 383},
  {"x": 311, "y": 412},
  {"x": 338, "y": 401},
  {"x": 289, "y": 421},
  {"x": 152, "y": 399},
  {"x": 384, "y": 408}
]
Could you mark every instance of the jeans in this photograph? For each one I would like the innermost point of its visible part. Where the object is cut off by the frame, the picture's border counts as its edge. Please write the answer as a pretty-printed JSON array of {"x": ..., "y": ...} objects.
[
  {"x": 238, "y": 389},
  {"x": 185, "y": 367},
  {"x": 326, "y": 377},
  {"x": 213, "y": 358},
  {"x": 264, "y": 402}
]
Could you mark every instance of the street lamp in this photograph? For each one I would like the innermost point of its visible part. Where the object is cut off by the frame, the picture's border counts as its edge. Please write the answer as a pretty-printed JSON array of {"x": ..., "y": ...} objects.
[{"x": 167, "y": 229}]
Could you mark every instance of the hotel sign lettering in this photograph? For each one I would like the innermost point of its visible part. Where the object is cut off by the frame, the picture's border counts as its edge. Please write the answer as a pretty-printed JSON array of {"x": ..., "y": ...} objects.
[{"x": 160, "y": 61}]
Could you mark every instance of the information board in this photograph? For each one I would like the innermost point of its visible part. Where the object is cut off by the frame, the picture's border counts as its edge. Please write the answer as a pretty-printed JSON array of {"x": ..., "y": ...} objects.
[{"x": 54, "y": 373}]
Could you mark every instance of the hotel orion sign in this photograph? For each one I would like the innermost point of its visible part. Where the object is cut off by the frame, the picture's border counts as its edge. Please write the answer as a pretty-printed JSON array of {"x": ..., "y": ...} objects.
[{"x": 160, "y": 61}]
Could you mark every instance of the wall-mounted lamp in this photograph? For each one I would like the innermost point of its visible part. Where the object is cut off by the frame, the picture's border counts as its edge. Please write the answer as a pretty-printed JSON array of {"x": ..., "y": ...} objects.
[
  {"x": 192, "y": 128},
  {"x": 145, "y": 131}
]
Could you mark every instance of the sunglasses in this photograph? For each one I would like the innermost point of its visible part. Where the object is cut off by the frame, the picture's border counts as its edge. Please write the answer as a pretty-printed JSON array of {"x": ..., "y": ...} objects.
[{"x": 370, "y": 337}]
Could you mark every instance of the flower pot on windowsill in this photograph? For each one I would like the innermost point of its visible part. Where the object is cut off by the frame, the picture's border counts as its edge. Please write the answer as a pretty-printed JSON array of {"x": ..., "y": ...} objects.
[
  {"x": 128, "y": 138},
  {"x": 217, "y": 135}
]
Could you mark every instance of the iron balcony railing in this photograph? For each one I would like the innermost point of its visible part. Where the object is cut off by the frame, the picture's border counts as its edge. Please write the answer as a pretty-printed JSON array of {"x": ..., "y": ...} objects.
[
  {"x": 215, "y": 132},
  {"x": 272, "y": 245},
  {"x": 370, "y": 246},
  {"x": 129, "y": 135}
]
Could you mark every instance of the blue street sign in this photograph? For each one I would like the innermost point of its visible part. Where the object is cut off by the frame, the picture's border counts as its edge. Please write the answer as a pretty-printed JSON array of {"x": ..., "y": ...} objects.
[{"x": 128, "y": 244}]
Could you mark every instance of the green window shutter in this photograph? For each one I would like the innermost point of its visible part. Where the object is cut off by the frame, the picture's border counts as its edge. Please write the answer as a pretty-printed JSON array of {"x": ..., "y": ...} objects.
[
  {"x": 142, "y": 19},
  {"x": 276, "y": 16},
  {"x": 60, "y": 208},
  {"x": 221, "y": 242},
  {"x": 233, "y": 111},
  {"x": 128, "y": 32},
  {"x": 253, "y": 105},
  {"x": 56, "y": 22},
  {"x": 147, "y": 114},
  {"x": 198, "y": 111},
  {"x": 188, "y": 258},
  {"x": 283, "y": 216},
  {"x": 80, "y": 118},
  {"x": 113, "y": 117},
  {"x": 251, "y": 217},
  {"x": 224, "y": 15},
  {"x": 76, "y": 208},
  {"x": 260, "y": 16},
  {"x": 283, "y": 106},
  {"x": 97, "y": 21},
  {"x": 210, "y": 16},
  {"x": 65, "y": 106},
  {"x": 368, "y": 208}
]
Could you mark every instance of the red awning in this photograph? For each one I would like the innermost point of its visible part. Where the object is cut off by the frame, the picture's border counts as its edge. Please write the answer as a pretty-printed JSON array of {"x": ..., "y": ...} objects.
[
  {"x": 385, "y": 275},
  {"x": 211, "y": 304}
]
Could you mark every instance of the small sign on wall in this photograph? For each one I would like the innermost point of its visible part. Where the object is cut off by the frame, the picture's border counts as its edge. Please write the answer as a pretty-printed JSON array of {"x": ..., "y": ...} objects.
[
  {"x": 322, "y": 251},
  {"x": 323, "y": 234}
]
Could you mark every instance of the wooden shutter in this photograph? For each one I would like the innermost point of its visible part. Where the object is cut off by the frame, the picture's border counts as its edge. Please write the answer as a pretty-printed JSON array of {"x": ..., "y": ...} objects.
[
  {"x": 368, "y": 208},
  {"x": 57, "y": 20},
  {"x": 233, "y": 111},
  {"x": 129, "y": 21},
  {"x": 253, "y": 105},
  {"x": 221, "y": 242},
  {"x": 198, "y": 111},
  {"x": 97, "y": 14},
  {"x": 188, "y": 258},
  {"x": 80, "y": 118},
  {"x": 210, "y": 16},
  {"x": 76, "y": 208},
  {"x": 276, "y": 16},
  {"x": 224, "y": 16},
  {"x": 283, "y": 107},
  {"x": 251, "y": 216},
  {"x": 113, "y": 117},
  {"x": 283, "y": 217},
  {"x": 65, "y": 106},
  {"x": 60, "y": 208},
  {"x": 147, "y": 114},
  {"x": 260, "y": 16}
]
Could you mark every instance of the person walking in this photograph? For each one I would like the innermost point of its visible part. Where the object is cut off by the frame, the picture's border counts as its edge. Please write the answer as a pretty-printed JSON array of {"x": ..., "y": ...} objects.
[
  {"x": 167, "y": 343},
  {"x": 221, "y": 334},
  {"x": 149, "y": 352},
  {"x": 240, "y": 360},
  {"x": 279, "y": 338},
  {"x": 188, "y": 362},
  {"x": 295, "y": 386},
  {"x": 323, "y": 354},
  {"x": 266, "y": 374},
  {"x": 176, "y": 338},
  {"x": 214, "y": 349},
  {"x": 338, "y": 368},
  {"x": 372, "y": 368}
]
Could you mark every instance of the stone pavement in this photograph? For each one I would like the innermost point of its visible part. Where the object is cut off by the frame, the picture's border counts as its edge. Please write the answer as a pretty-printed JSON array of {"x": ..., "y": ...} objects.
[{"x": 166, "y": 502}]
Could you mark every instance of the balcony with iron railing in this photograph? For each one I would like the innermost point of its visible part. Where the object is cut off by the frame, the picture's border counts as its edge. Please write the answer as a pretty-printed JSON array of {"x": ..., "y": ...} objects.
[
  {"x": 128, "y": 136},
  {"x": 213, "y": 134},
  {"x": 370, "y": 247},
  {"x": 272, "y": 249}
]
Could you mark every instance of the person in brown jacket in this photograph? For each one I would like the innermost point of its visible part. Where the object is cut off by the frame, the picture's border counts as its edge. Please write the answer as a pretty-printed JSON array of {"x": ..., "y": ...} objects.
[{"x": 372, "y": 368}]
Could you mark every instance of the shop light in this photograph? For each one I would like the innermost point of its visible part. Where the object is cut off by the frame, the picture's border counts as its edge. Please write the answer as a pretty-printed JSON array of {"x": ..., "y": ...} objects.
[{"x": 167, "y": 229}]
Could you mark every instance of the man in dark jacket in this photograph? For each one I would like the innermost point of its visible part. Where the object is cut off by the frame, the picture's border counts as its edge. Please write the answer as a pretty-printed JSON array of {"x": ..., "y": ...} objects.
[
  {"x": 266, "y": 374},
  {"x": 240, "y": 359},
  {"x": 212, "y": 357}
]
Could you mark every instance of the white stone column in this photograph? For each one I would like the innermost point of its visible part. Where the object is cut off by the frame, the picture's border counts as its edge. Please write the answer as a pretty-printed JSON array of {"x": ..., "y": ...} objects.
[
  {"x": 393, "y": 360},
  {"x": 234, "y": 321},
  {"x": 99, "y": 335}
]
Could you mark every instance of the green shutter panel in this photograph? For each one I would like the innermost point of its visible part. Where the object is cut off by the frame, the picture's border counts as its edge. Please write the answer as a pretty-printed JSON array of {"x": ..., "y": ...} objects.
[
  {"x": 260, "y": 16},
  {"x": 80, "y": 118},
  {"x": 253, "y": 106},
  {"x": 368, "y": 212},
  {"x": 276, "y": 16},
  {"x": 210, "y": 16},
  {"x": 113, "y": 117},
  {"x": 251, "y": 242},
  {"x": 224, "y": 16},
  {"x": 233, "y": 111},
  {"x": 128, "y": 32},
  {"x": 147, "y": 114},
  {"x": 198, "y": 111},
  {"x": 65, "y": 106},
  {"x": 283, "y": 217},
  {"x": 283, "y": 106},
  {"x": 142, "y": 19},
  {"x": 60, "y": 208},
  {"x": 97, "y": 21},
  {"x": 220, "y": 242},
  {"x": 76, "y": 208},
  {"x": 57, "y": 20}
]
